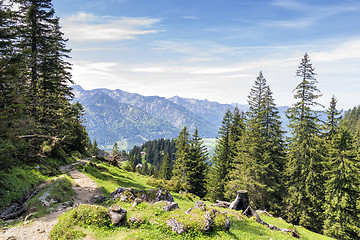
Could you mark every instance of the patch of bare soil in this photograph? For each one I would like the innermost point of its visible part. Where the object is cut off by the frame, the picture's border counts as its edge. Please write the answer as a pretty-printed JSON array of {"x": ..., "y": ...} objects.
[{"x": 39, "y": 229}]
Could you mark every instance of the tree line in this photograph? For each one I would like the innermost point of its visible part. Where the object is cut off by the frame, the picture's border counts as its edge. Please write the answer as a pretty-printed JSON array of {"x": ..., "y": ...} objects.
[
  {"x": 311, "y": 177},
  {"x": 38, "y": 119}
]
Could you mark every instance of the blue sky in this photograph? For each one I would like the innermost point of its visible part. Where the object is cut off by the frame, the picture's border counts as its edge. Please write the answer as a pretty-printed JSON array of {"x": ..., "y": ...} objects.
[{"x": 213, "y": 49}]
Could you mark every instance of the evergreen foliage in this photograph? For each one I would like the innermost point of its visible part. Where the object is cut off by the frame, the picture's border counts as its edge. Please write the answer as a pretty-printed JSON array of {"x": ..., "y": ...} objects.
[
  {"x": 342, "y": 191},
  {"x": 197, "y": 166},
  {"x": 259, "y": 163},
  {"x": 165, "y": 170},
  {"x": 181, "y": 166},
  {"x": 305, "y": 153},
  {"x": 37, "y": 118},
  {"x": 222, "y": 160}
]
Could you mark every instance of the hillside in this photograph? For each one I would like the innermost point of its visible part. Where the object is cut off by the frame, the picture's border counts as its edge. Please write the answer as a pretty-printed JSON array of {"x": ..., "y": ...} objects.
[
  {"x": 131, "y": 119},
  {"x": 63, "y": 221},
  {"x": 118, "y": 116}
]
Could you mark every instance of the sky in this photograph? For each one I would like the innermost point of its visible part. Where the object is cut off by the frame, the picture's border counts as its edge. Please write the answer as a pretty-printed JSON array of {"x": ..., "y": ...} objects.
[{"x": 214, "y": 49}]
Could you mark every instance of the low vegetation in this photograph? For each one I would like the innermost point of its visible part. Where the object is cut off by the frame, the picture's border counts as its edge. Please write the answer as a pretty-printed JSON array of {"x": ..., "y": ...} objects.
[{"x": 152, "y": 220}]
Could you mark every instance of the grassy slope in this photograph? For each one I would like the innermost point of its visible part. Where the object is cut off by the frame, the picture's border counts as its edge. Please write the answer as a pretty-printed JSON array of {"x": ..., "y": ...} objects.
[{"x": 109, "y": 178}]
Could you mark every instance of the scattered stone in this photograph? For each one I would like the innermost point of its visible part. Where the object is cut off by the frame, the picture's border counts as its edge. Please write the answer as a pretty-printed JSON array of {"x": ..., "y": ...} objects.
[
  {"x": 116, "y": 214},
  {"x": 136, "y": 202},
  {"x": 201, "y": 205},
  {"x": 163, "y": 195},
  {"x": 100, "y": 198},
  {"x": 135, "y": 221},
  {"x": 208, "y": 221},
  {"x": 175, "y": 225},
  {"x": 171, "y": 207},
  {"x": 227, "y": 225},
  {"x": 189, "y": 210}
]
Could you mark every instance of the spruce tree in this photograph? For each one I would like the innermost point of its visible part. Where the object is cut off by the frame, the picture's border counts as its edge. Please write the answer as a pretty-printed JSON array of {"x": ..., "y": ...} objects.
[
  {"x": 342, "y": 179},
  {"x": 197, "y": 166},
  {"x": 221, "y": 162},
  {"x": 165, "y": 170},
  {"x": 259, "y": 160},
  {"x": 305, "y": 153},
  {"x": 182, "y": 157}
]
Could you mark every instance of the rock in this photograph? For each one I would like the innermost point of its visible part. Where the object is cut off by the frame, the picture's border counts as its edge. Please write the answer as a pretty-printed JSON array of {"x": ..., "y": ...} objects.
[
  {"x": 171, "y": 207},
  {"x": 208, "y": 221},
  {"x": 189, "y": 210},
  {"x": 145, "y": 197},
  {"x": 116, "y": 214},
  {"x": 117, "y": 191},
  {"x": 136, "y": 202},
  {"x": 100, "y": 198},
  {"x": 135, "y": 221},
  {"x": 227, "y": 225},
  {"x": 175, "y": 225},
  {"x": 201, "y": 205},
  {"x": 241, "y": 202},
  {"x": 163, "y": 195}
]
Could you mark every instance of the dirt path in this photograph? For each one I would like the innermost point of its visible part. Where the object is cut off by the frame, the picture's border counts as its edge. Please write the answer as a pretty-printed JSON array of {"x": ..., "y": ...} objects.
[{"x": 39, "y": 229}]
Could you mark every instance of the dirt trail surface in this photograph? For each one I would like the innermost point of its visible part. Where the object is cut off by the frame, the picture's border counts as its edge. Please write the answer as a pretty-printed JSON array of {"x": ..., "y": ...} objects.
[{"x": 39, "y": 229}]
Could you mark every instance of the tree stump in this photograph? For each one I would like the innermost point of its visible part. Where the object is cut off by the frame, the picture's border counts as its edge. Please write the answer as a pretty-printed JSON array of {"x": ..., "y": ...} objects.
[{"x": 241, "y": 202}]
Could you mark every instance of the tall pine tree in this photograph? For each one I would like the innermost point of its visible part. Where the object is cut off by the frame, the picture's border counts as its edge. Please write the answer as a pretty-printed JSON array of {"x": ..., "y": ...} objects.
[
  {"x": 221, "y": 162},
  {"x": 305, "y": 153},
  {"x": 258, "y": 164},
  {"x": 342, "y": 191}
]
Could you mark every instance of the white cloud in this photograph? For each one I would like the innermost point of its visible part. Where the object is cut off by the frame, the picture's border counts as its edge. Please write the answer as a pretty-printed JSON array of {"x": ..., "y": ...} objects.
[
  {"x": 347, "y": 50},
  {"x": 88, "y": 27}
]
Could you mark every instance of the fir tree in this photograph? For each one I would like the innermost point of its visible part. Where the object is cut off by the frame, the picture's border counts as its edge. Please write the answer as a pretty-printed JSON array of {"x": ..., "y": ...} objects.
[
  {"x": 165, "y": 170},
  {"x": 305, "y": 153},
  {"x": 197, "y": 166},
  {"x": 182, "y": 156},
  {"x": 221, "y": 162},
  {"x": 258, "y": 164},
  {"x": 342, "y": 188}
]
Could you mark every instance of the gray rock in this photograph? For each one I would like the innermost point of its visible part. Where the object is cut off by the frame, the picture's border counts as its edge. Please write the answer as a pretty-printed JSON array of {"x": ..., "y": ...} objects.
[
  {"x": 100, "y": 198},
  {"x": 208, "y": 221},
  {"x": 175, "y": 225},
  {"x": 163, "y": 195},
  {"x": 171, "y": 207},
  {"x": 116, "y": 214},
  {"x": 189, "y": 210}
]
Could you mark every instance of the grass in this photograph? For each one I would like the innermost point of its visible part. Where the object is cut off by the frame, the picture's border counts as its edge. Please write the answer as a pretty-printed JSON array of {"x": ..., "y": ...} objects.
[
  {"x": 59, "y": 191},
  {"x": 18, "y": 181},
  {"x": 153, "y": 218}
]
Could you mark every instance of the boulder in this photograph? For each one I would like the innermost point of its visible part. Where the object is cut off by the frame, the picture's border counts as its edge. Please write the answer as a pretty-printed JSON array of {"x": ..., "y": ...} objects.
[
  {"x": 201, "y": 205},
  {"x": 175, "y": 225},
  {"x": 208, "y": 221},
  {"x": 171, "y": 206},
  {"x": 163, "y": 195},
  {"x": 116, "y": 214}
]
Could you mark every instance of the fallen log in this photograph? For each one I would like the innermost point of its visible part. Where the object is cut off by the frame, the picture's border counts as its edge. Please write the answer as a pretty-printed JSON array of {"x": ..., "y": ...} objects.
[
  {"x": 250, "y": 212},
  {"x": 20, "y": 210}
]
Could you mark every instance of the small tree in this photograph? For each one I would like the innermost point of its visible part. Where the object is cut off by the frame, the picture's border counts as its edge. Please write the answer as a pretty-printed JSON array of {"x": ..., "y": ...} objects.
[{"x": 165, "y": 170}]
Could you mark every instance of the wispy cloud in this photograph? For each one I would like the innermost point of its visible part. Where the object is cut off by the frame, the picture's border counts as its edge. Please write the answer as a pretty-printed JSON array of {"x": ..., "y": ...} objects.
[
  {"x": 88, "y": 27},
  {"x": 191, "y": 17}
]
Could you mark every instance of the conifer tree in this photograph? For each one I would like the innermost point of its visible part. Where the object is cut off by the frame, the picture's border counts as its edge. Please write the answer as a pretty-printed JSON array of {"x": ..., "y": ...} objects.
[
  {"x": 221, "y": 162},
  {"x": 165, "y": 170},
  {"x": 305, "y": 153},
  {"x": 182, "y": 156},
  {"x": 258, "y": 164},
  {"x": 197, "y": 166},
  {"x": 342, "y": 187}
]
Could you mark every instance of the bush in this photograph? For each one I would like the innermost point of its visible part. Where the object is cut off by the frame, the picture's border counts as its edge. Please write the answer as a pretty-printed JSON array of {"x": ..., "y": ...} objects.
[{"x": 83, "y": 216}]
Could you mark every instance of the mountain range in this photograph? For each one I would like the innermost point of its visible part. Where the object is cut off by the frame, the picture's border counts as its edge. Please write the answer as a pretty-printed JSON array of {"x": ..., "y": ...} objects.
[{"x": 131, "y": 119}]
